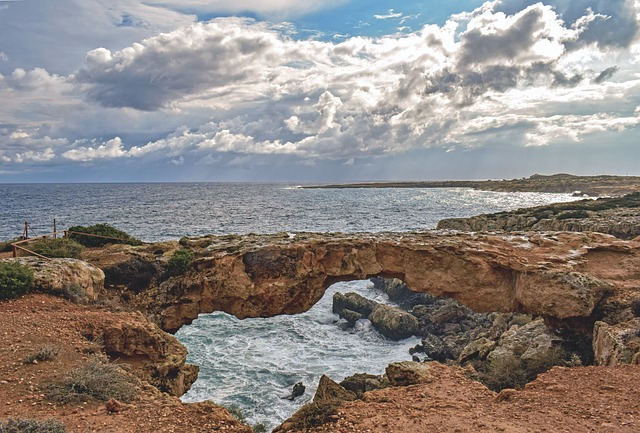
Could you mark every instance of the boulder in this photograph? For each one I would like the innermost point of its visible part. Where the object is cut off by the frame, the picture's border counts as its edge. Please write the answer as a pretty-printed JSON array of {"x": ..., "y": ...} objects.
[
  {"x": 330, "y": 391},
  {"x": 354, "y": 302},
  {"x": 477, "y": 349},
  {"x": 64, "y": 277},
  {"x": 361, "y": 382},
  {"x": 530, "y": 342},
  {"x": 351, "y": 316},
  {"x": 394, "y": 323},
  {"x": 616, "y": 344},
  {"x": 408, "y": 373},
  {"x": 434, "y": 348}
]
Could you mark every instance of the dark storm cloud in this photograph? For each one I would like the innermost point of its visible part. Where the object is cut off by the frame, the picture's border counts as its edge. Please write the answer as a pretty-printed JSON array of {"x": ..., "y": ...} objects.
[
  {"x": 618, "y": 28},
  {"x": 606, "y": 74}
]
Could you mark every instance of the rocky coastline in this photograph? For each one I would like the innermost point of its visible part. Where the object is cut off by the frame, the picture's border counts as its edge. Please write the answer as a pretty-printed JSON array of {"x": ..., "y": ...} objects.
[
  {"x": 594, "y": 186},
  {"x": 475, "y": 298}
]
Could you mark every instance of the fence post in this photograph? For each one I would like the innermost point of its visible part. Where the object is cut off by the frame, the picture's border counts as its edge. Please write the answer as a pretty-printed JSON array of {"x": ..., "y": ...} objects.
[
  {"x": 25, "y": 233},
  {"x": 55, "y": 230},
  {"x": 15, "y": 251}
]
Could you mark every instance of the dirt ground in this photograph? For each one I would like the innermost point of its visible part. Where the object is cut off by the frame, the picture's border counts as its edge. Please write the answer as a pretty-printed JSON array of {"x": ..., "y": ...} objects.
[
  {"x": 585, "y": 399},
  {"x": 36, "y": 320}
]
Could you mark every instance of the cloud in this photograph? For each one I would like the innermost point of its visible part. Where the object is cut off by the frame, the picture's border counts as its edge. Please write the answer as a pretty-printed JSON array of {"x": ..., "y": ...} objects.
[
  {"x": 606, "y": 74},
  {"x": 232, "y": 91},
  {"x": 273, "y": 9},
  {"x": 390, "y": 14},
  {"x": 109, "y": 150}
]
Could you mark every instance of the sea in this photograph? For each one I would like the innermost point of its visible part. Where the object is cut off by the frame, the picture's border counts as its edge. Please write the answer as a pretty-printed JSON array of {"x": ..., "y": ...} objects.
[{"x": 251, "y": 365}]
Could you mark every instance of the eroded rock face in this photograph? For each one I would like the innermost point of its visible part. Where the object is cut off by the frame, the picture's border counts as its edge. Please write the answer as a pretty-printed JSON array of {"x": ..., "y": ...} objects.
[
  {"x": 64, "y": 276},
  {"x": 617, "y": 344},
  {"x": 156, "y": 355},
  {"x": 563, "y": 276}
]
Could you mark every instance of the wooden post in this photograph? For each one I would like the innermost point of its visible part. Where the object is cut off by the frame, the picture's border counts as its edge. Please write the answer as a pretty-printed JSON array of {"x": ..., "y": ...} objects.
[
  {"x": 15, "y": 251},
  {"x": 25, "y": 233},
  {"x": 55, "y": 231}
]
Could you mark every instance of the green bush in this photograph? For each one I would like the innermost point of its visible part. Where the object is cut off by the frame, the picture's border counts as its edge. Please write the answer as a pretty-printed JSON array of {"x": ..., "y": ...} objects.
[
  {"x": 60, "y": 248},
  {"x": 180, "y": 261},
  {"x": 16, "y": 279},
  {"x": 5, "y": 246},
  {"x": 97, "y": 379},
  {"x": 31, "y": 426},
  {"x": 118, "y": 236}
]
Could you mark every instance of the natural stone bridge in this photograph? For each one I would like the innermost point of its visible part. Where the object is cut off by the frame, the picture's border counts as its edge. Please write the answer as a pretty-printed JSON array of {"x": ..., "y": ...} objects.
[{"x": 563, "y": 276}]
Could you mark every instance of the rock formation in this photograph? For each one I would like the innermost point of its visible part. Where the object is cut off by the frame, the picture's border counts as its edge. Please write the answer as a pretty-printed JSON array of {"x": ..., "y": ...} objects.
[
  {"x": 559, "y": 276},
  {"x": 616, "y": 216}
]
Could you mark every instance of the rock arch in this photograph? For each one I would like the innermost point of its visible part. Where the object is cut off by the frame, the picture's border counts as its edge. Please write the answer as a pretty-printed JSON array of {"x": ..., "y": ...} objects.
[{"x": 553, "y": 275}]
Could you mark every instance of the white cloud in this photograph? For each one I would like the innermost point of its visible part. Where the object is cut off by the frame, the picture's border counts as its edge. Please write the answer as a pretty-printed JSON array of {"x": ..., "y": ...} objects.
[
  {"x": 245, "y": 89},
  {"x": 390, "y": 14},
  {"x": 109, "y": 150}
]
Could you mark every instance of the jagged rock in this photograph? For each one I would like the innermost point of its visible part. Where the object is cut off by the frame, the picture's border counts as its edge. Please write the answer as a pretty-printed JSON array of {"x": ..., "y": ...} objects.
[
  {"x": 350, "y": 316},
  {"x": 361, "y": 382},
  {"x": 329, "y": 390},
  {"x": 400, "y": 293},
  {"x": 617, "y": 216},
  {"x": 450, "y": 313},
  {"x": 136, "y": 273},
  {"x": 353, "y": 302},
  {"x": 532, "y": 341},
  {"x": 408, "y": 373},
  {"x": 477, "y": 349},
  {"x": 63, "y": 277},
  {"x": 297, "y": 391},
  {"x": 394, "y": 323},
  {"x": 616, "y": 344},
  {"x": 434, "y": 348}
]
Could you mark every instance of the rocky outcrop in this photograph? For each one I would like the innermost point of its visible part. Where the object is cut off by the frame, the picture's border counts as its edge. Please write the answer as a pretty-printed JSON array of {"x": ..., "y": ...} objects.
[
  {"x": 615, "y": 216},
  {"x": 617, "y": 344},
  {"x": 156, "y": 356},
  {"x": 63, "y": 277},
  {"x": 564, "y": 276}
]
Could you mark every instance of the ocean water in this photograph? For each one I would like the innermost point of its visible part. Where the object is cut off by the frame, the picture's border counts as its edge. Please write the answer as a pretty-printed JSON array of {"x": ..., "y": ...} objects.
[{"x": 251, "y": 364}]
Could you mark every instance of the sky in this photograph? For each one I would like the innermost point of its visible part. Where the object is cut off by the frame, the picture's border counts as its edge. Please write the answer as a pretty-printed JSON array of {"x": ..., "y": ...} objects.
[{"x": 308, "y": 91}]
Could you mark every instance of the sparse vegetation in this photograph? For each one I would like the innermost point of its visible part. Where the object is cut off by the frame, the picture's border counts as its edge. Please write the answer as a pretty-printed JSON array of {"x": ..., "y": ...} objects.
[
  {"x": 32, "y": 426},
  {"x": 16, "y": 279},
  {"x": 5, "y": 246},
  {"x": 314, "y": 414},
  {"x": 180, "y": 261},
  {"x": 97, "y": 379},
  {"x": 115, "y": 236},
  {"x": 61, "y": 248},
  {"x": 46, "y": 352},
  {"x": 577, "y": 214},
  {"x": 259, "y": 428},
  {"x": 236, "y": 413}
]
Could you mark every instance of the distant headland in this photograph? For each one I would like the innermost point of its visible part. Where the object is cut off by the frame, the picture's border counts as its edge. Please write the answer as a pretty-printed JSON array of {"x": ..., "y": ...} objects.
[{"x": 596, "y": 186}]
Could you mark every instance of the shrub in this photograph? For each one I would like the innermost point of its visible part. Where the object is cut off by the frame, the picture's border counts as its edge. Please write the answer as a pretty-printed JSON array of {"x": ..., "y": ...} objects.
[
  {"x": 314, "y": 414},
  {"x": 180, "y": 261},
  {"x": 60, "y": 248},
  {"x": 259, "y": 428},
  {"x": 5, "y": 246},
  {"x": 505, "y": 372},
  {"x": 236, "y": 412},
  {"x": 45, "y": 353},
  {"x": 97, "y": 379},
  {"x": 16, "y": 279},
  {"x": 118, "y": 236},
  {"x": 31, "y": 426}
]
